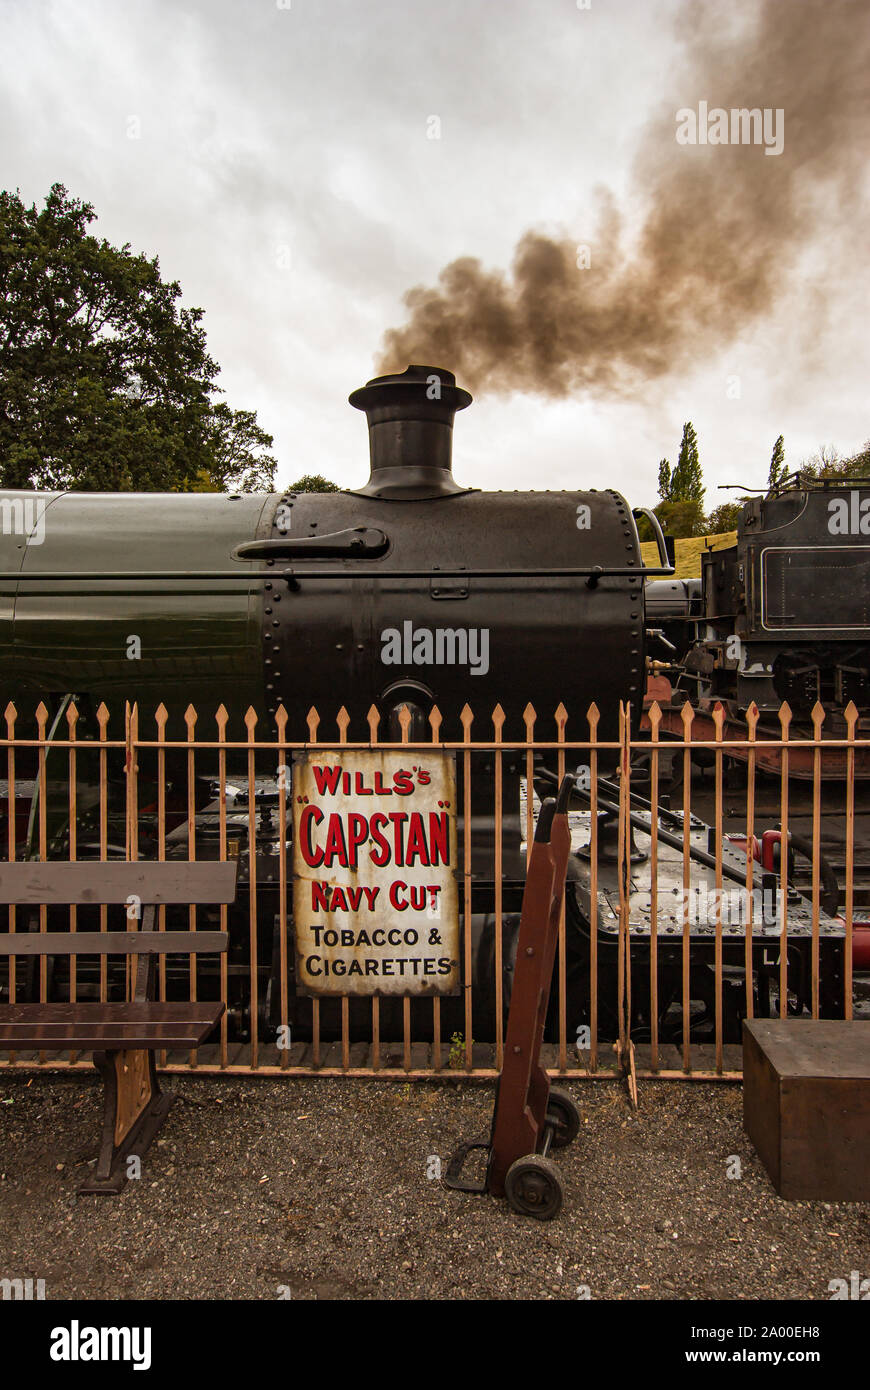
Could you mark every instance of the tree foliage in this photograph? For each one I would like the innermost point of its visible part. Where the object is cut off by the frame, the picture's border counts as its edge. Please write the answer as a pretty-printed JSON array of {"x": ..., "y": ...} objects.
[
  {"x": 687, "y": 484},
  {"x": 681, "y": 490},
  {"x": 664, "y": 480},
  {"x": 723, "y": 518},
  {"x": 858, "y": 466},
  {"x": 828, "y": 462},
  {"x": 105, "y": 380},
  {"x": 313, "y": 482},
  {"x": 681, "y": 517},
  {"x": 777, "y": 471}
]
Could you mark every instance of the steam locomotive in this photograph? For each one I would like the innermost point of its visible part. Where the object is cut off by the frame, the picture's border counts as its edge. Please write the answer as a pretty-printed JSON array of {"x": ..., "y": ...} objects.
[
  {"x": 408, "y": 592},
  {"x": 784, "y": 613},
  {"x": 254, "y": 600}
]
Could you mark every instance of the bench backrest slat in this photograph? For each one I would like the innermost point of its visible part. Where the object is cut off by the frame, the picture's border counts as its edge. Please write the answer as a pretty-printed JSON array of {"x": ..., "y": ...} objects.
[
  {"x": 110, "y": 943},
  {"x": 32, "y": 884}
]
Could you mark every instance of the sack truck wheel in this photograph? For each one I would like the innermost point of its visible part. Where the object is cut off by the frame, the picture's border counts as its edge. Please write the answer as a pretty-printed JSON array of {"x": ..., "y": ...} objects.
[
  {"x": 533, "y": 1187},
  {"x": 564, "y": 1115}
]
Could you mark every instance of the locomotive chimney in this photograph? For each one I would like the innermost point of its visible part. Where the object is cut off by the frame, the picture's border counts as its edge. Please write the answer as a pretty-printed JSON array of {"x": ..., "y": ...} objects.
[{"x": 410, "y": 417}]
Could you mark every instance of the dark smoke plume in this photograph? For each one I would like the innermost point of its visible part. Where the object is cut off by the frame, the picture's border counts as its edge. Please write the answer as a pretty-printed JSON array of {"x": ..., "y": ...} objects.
[{"x": 720, "y": 227}]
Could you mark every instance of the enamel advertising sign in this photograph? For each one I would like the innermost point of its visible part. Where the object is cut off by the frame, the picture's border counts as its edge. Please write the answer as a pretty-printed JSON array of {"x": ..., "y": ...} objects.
[{"x": 375, "y": 897}]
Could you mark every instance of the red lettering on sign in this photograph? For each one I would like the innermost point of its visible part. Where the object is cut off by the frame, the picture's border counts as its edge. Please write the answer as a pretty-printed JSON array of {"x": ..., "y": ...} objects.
[
  {"x": 357, "y": 834},
  {"x": 439, "y": 836},
  {"x": 320, "y": 897},
  {"x": 326, "y": 779},
  {"x": 417, "y": 847},
  {"x": 335, "y": 851},
  {"x": 313, "y": 857},
  {"x": 398, "y": 818},
  {"x": 381, "y": 855}
]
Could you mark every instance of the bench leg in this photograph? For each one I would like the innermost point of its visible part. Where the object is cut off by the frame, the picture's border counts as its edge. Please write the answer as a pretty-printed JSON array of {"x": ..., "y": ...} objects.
[{"x": 135, "y": 1108}]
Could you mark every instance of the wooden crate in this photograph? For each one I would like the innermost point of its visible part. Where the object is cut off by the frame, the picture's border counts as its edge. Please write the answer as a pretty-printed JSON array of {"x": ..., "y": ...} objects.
[{"x": 806, "y": 1105}]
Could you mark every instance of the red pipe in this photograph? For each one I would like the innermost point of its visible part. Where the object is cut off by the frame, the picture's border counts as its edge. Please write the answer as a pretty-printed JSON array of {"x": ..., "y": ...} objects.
[
  {"x": 860, "y": 943},
  {"x": 768, "y": 840},
  {"x": 764, "y": 853}
]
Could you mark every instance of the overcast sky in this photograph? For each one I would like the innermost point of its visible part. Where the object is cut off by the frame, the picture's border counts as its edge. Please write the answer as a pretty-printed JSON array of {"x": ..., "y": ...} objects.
[{"x": 282, "y": 171}]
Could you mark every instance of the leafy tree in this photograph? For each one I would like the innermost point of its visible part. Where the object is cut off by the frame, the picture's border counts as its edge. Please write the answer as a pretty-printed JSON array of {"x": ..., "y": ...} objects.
[
  {"x": 105, "y": 381},
  {"x": 682, "y": 517},
  {"x": 828, "y": 462},
  {"x": 664, "y": 480},
  {"x": 778, "y": 471},
  {"x": 238, "y": 446},
  {"x": 723, "y": 518},
  {"x": 858, "y": 466},
  {"x": 684, "y": 482},
  {"x": 681, "y": 489},
  {"x": 687, "y": 484},
  {"x": 824, "y": 463},
  {"x": 313, "y": 482}
]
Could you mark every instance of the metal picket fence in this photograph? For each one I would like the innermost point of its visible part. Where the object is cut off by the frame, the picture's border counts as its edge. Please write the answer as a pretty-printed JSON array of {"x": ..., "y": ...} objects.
[{"x": 637, "y": 980}]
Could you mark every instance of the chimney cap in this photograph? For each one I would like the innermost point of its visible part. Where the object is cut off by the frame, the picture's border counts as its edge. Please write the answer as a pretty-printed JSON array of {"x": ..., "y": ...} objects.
[
  {"x": 410, "y": 419},
  {"x": 380, "y": 389}
]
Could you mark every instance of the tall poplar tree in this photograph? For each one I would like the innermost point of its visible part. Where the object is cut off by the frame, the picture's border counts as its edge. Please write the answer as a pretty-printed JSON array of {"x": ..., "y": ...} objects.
[{"x": 777, "y": 470}]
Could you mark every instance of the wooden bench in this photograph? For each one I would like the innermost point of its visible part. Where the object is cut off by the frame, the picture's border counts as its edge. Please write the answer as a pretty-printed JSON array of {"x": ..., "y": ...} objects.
[{"x": 123, "y": 1035}]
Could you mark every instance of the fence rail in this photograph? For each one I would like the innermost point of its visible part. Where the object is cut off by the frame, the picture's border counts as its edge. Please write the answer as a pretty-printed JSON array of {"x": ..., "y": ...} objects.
[{"x": 639, "y": 989}]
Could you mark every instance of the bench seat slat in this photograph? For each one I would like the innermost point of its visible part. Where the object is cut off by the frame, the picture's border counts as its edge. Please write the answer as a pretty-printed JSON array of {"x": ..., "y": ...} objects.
[
  {"x": 95, "y": 881},
  {"x": 107, "y": 1026},
  {"x": 108, "y": 943}
]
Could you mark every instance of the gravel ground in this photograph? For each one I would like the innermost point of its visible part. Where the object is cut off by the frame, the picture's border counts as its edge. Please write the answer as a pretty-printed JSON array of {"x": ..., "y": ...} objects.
[{"x": 320, "y": 1188}]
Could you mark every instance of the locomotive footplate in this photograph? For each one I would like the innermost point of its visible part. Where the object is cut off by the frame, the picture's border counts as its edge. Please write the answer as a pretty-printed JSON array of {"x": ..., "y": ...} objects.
[
  {"x": 704, "y": 915},
  {"x": 703, "y": 907}
]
